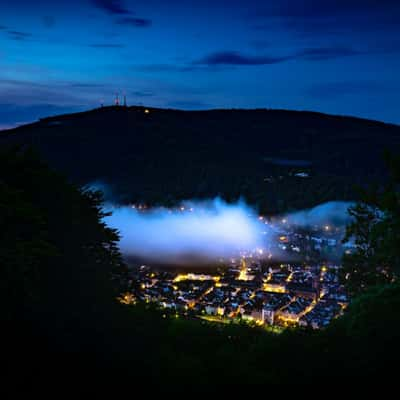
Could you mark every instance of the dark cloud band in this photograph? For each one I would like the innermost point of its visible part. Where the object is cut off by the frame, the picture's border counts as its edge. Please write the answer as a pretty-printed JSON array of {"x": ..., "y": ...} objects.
[{"x": 111, "y": 6}]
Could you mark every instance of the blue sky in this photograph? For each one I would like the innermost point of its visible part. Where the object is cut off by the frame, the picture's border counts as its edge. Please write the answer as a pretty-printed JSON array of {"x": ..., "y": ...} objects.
[{"x": 334, "y": 56}]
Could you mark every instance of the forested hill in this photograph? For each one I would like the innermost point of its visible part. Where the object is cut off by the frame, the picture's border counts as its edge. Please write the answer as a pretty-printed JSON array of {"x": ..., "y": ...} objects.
[{"x": 276, "y": 159}]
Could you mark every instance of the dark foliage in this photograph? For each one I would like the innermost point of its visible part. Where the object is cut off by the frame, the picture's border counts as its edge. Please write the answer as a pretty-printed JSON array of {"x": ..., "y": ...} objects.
[{"x": 376, "y": 232}]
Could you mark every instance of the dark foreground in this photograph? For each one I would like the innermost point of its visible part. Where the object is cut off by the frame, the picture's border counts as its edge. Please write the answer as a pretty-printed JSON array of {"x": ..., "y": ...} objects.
[{"x": 61, "y": 273}]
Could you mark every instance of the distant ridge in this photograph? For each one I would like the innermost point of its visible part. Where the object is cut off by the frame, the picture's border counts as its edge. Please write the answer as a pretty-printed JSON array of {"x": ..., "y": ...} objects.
[
  {"x": 163, "y": 155},
  {"x": 120, "y": 108}
]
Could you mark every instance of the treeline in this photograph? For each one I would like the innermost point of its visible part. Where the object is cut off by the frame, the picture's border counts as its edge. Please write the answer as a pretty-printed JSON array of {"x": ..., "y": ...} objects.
[{"x": 272, "y": 190}]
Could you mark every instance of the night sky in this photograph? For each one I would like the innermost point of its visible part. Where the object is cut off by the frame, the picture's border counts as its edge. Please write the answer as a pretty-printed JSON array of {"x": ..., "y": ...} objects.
[{"x": 334, "y": 56}]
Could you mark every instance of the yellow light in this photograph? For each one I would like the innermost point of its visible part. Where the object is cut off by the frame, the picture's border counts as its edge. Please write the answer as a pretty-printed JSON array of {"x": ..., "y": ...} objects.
[
  {"x": 324, "y": 269},
  {"x": 309, "y": 308},
  {"x": 127, "y": 298},
  {"x": 208, "y": 291},
  {"x": 143, "y": 286},
  {"x": 242, "y": 275},
  {"x": 274, "y": 288},
  {"x": 180, "y": 277},
  {"x": 146, "y": 111},
  {"x": 195, "y": 277},
  {"x": 289, "y": 320},
  {"x": 243, "y": 272}
]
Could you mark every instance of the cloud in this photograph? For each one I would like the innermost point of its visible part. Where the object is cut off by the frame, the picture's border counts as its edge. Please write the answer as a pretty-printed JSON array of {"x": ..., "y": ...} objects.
[
  {"x": 222, "y": 60},
  {"x": 135, "y": 22},
  {"x": 213, "y": 229},
  {"x": 236, "y": 58},
  {"x": 332, "y": 212},
  {"x": 107, "y": 45},
  {"x": 113, "y": 7},
  {"x": 206, "y": 231},
  {"x": 116, "y": 7},
  {"x": 18, "y": 35},
  {"x": 326, "y": 53}
]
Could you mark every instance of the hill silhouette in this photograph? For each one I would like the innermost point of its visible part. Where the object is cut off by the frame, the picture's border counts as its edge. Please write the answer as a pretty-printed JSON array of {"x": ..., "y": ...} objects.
[{"x": 276, "y": 159}]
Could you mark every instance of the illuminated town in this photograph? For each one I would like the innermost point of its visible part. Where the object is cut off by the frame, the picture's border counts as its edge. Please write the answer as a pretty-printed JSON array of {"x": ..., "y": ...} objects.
[
  {"x": 287, "y": 294},
  {"x": 253, "y": 287}
]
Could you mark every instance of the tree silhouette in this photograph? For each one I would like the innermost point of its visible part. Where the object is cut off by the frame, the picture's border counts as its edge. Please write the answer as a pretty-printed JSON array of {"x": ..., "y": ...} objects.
[{"x": 375, "y": 230}]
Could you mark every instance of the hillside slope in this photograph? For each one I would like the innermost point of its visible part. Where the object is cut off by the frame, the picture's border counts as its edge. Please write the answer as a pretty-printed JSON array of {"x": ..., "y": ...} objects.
[{"x": 162, "y": 156}]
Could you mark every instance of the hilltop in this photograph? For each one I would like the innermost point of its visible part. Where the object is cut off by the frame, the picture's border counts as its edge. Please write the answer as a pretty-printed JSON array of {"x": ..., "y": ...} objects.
[{"x": 276, "y": 159}]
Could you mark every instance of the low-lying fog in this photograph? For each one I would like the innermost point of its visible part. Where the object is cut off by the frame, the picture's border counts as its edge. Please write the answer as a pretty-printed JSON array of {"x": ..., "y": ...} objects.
[{"x": 206, "y": 231}]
